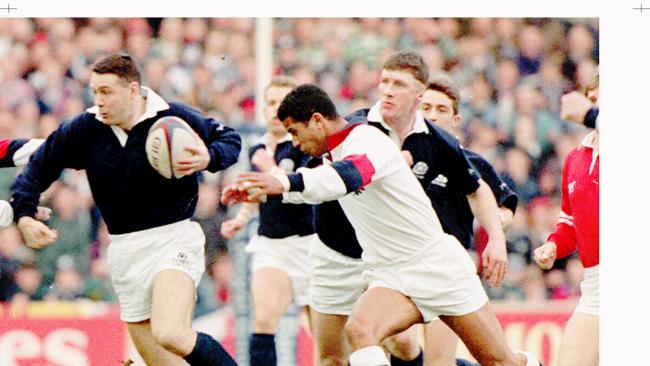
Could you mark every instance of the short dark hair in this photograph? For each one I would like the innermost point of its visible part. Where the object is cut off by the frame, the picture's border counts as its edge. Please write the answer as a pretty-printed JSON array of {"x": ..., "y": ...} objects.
[
  {"x": 447, "y": 88},
  {"x": 119, "y": 64},
  {"x": 408, "y": 61},
  {"x": 305, "y": 100}
]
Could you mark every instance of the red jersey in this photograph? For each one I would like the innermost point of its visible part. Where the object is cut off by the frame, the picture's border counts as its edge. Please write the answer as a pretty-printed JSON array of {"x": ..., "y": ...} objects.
[{"x": 577, "y": 226}]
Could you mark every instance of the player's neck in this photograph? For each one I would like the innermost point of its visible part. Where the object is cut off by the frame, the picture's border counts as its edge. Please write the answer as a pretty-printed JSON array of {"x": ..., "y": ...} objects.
[
  {"x": 402, "y": 125},
  {"x": 139, "y": 107}
]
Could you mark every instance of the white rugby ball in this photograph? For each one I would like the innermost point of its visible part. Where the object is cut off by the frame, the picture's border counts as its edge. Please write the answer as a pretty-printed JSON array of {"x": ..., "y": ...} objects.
[{"x": 166, "y": 143}]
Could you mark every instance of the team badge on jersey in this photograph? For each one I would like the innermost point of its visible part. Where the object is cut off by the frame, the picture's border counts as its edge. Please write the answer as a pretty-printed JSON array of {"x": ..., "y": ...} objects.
[
  {"x": 420, "y": 169},
  {"x": 287, "y": 165},
  {"x": 440, "y": 180}
]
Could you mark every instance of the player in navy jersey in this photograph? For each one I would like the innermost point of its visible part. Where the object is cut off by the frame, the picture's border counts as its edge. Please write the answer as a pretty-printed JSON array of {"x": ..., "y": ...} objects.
[
  {"x": 280, "y": 273},
  {"x": 414, "y": 271},
  {"x": 16, "y": 153},
  {"x": 440, "y": 106},
  {"x": 156, "y": 256}
]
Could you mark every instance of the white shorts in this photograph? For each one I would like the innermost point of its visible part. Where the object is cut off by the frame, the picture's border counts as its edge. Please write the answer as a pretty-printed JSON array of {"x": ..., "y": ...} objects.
[
  {"x": 441, "y": 280},
  {"x": 589, "y": 292},
  {"x": 287, "y": 254},
  {"x": 134, "y": 260},
  {"x": 336, "y": 282}
]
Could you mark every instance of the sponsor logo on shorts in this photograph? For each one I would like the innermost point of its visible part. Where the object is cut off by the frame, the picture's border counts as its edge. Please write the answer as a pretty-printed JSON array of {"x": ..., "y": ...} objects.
[
  {"x": 571, "y": 186},
  {"x": 182, "y": 261}
]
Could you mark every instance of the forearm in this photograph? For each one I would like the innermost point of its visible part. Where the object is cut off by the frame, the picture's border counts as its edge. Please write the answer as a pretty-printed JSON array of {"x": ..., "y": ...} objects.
[{"x": 485, "y": 209}]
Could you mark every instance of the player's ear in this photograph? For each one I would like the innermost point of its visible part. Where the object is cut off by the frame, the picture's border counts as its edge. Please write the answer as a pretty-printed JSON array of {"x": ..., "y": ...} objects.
[
  {"x": 317, "y": 119},
  {"x": 134, "y": 88}
]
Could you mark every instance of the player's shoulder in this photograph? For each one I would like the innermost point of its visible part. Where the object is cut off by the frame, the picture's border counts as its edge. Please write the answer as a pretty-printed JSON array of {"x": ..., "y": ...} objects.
[{"x": 358, "y": 116}]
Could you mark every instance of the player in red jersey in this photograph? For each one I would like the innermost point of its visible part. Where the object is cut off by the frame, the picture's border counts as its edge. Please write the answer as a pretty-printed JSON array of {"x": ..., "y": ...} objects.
[{"x": 577, "y": 229}]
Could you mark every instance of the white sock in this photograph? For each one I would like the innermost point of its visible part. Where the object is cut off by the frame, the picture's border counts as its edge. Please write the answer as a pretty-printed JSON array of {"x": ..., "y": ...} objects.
[
  {"x": 369, "y": 356},
  {"x": 531, "y": 359}
]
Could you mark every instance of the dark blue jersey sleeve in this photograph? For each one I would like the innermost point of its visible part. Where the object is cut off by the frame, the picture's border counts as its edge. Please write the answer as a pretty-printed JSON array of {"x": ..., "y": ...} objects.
[
  {"x": 505, "y": 196},
  {"x": 223, "y": 143},
  {"x": 62, "y": 149}
]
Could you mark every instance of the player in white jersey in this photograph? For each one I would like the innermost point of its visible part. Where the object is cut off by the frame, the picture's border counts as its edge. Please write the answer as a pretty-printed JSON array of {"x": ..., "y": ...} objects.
[{"x": 414, "y": 270}]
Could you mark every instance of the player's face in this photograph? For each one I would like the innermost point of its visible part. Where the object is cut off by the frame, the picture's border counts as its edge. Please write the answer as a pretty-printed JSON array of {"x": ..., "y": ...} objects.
[
  {"x": 113, "y": 97},
  {"x": 400, "y": 94},
  {"x": 438, "y": 108},
  {"x": 309, "y": 137},
  {"x": 272, "y": 99}
]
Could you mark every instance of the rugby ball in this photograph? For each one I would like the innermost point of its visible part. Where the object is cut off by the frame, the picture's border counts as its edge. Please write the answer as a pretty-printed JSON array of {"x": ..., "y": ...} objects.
[{"x": 166, "y": 143}]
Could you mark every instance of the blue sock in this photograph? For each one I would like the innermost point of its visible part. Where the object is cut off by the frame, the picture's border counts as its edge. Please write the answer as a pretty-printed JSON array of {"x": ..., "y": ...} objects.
[
  {"x": 464, "y": 362},
  {"x": 208, "y": 352},
  {"x": 418, "y": 361},
  {"x": 261, "y": 350}
]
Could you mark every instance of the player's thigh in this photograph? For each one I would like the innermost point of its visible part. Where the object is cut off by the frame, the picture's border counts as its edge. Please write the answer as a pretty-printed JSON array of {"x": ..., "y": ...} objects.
[
  {"x": 440, "y": 344},
  {"x": 172, "y": 300},
  {"x": 580, "y": 341},
  {"x": 151, "y": 352},
  {"x": 272, "y": 292},
  {"x": 329, "y": 336},
  {"x": 381, "y": 312}
]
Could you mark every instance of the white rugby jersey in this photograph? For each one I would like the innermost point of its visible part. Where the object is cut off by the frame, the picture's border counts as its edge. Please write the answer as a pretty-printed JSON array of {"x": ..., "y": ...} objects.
[{"x": 381, "y": 197}]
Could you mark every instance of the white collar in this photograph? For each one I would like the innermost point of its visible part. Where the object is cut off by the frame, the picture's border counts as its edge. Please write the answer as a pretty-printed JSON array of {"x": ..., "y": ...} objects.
[
  {"x": 155, "y": 104},
  {"x": 374, "y": 115},
  {"x": 590, "y": 142}
]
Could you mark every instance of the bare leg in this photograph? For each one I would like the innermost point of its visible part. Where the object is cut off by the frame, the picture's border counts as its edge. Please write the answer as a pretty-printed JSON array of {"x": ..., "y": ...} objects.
[
  {"x": 151, "y": 351},
  {"x": 440, "y": 344},
  {"x": 483, "y": 336},
  {"x": 332, "y": 348},
  {"x": 272, "y": 294},
  {"x": 580, "y": 341}
]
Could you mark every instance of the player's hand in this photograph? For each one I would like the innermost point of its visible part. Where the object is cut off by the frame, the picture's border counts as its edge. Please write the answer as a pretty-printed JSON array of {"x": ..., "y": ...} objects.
[
  {"x": 267, "y": 184},
  {"x": 35, "y": 233},
  {"x": 242, "y": 191},
  {"x": 574, "y": 106},
  {"x": 199, "y": 160},
  {"x": 408, "y": 157},
  {"x": 545, "y": 255},
  {"x": 495, "y": 260},
  {"x": 230, "y": 227},
  {"x": 43, "y": 213},
  {"x": 262, "y": 160}
]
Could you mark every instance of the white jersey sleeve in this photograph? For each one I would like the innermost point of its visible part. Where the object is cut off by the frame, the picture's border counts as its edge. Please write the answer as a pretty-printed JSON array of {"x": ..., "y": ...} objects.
[{"x": 362, "y": 157}]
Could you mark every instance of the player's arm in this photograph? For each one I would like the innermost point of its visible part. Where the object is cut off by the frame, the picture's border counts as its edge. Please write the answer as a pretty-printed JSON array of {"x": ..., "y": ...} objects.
[
  {"x": 366, "y": 152},
  {"x": 62, "y": 149},
  {"x": 506, "y": 198},
  {"x": 220, "y": 145},
  {"x": 230, "y": 227},
  {"x": 563, "y": 241},
  {"x": 17, "y": 152}
]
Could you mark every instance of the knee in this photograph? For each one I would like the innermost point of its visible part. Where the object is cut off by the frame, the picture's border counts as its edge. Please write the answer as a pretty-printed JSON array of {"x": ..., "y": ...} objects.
[
  {"x": 265, "y": 322},
  {"x": 170, "y": 339},
  {"x": 359, "y": 333}
]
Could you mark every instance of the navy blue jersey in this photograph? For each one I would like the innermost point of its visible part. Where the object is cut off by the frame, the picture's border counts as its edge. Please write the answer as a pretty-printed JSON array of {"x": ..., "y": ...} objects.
[
  {"x": 279, "y": 220},
  {"x": 129, "y": 193}
]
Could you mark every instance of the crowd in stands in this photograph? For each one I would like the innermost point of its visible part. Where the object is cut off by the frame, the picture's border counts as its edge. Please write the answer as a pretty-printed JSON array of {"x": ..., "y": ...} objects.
[{"x": 511, "y": 74}]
